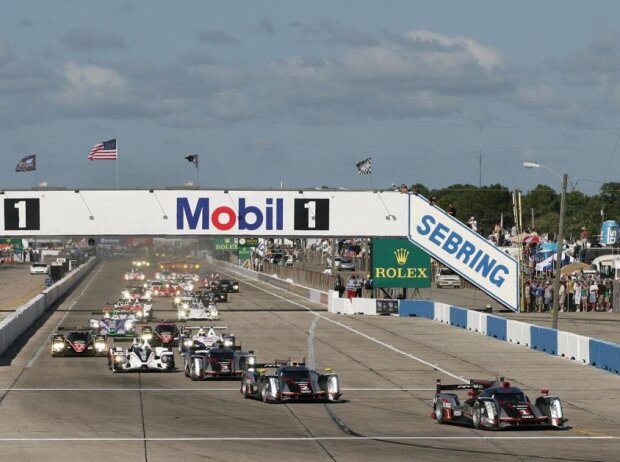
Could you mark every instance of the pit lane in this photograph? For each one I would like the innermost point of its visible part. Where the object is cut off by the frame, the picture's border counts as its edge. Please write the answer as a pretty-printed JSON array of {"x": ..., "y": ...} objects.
[{"x": 55, "y": 408}]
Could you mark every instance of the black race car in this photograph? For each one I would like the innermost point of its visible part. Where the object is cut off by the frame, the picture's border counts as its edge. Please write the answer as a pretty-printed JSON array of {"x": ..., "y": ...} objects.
[
  {"x": 495, "y": 405},
  {"x": 78, "y": 341},
  {"x": 206, "y": 293},
  {"x": 204, "y": 362},
  {"x": 164, "y": 333},
  {"x": 228, "y": 285},
  {"x": 290, "y": 381}
]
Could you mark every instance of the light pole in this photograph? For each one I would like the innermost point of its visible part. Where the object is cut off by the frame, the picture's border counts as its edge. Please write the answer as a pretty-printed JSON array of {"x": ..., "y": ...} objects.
[{"x": 558, "y": 259}]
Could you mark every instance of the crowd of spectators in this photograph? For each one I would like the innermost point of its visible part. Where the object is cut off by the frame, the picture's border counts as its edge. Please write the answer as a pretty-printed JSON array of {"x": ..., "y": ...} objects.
[{"x": 578, "y": 292}]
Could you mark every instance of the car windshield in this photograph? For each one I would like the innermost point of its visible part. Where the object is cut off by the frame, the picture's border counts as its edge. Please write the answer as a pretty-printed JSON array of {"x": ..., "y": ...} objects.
[
  {"x": 78, "y": 336},
  {"x": 507, "y": 397},
  {"x": 165, "y": 328},
  {"x": 222, "y": 355},
  {"x": 295, "y": 374},
  {"x": 39, "y": 265}
]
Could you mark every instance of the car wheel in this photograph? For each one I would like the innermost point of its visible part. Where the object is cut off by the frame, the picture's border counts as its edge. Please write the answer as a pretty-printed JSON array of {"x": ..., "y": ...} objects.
[
  {"x": 477, "y": 416},
  {"x": 265, "y": 395},
  {"x": 439, "y": 412},
  {"x": 245, "y": 388}
]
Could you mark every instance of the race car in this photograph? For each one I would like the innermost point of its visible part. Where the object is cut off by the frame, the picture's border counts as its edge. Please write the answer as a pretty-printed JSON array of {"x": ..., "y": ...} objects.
[
  {"x": 495, "y": 405},
  {"x": 136, "y": 293},
  {"x": 165, "y": 334},
  {"x": 140, "y": 308},
  {"x": 141, "y": 263},
  {"x": 140, "y": 356},
  {"x": 77, "y": 341},
  {"x": 205, "y": 337},
  {"x": 116, "y": 324},
  {"x": 228, "y": 285},
  {"x": 216, "y": 294},
  {"x": 196, "y": 309},
  {"x": 134, "y": 275},
  {"x": 165, "y": 289},
  {"x": 290, "y": 381},
  {"x": 202, "y": 362}
]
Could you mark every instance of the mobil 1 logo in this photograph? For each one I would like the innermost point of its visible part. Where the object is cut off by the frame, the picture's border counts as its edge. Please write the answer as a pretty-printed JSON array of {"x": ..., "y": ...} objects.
[
  {"x": 21, "y": 214},
  {"x": 312, "y": 214}
]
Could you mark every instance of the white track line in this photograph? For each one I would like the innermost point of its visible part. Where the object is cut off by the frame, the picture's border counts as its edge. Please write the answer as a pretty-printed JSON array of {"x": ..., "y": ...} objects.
[
  {"x": 188, "y": 389},
  {"x": 62, "y": 320},
  {"x": 317, "y": 438},
  {"x": 420, "y": 360}
]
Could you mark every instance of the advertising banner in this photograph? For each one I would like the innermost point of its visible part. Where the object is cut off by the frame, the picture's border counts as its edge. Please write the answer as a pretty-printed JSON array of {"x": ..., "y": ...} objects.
[
  {"x": 397, "y": 262},
  {"x": 194, "y": 212},
  {"x": 225, "y": 244},
  {"x": 463, "y": 250}
]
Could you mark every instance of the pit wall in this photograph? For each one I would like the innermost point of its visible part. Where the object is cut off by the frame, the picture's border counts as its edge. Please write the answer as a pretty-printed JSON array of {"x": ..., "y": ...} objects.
[
  {"x": 586, "y": 350},
  {"x": 14, "y": 325}
]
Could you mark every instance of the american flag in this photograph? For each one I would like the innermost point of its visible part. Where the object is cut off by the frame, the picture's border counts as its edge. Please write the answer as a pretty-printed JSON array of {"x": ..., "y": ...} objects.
[
  {"x": 106, "y": 150},
  {"x": 364, "y": 167}
]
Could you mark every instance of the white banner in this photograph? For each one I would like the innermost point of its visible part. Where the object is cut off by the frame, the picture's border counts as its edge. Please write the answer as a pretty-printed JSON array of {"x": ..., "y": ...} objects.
[
  {"x": 203, "y": 212},
  {"x": 465, "y": 251}
]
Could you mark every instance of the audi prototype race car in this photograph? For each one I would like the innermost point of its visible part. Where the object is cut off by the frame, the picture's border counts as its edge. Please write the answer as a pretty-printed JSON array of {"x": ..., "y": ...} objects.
[
  {"x": 140, "y": 356},
  {"x": 496, "y": 405},
  {"x": 290, "y": 381},
  {"x": 78, "y": 341},
  {"x": 216, "y": 294},
  {"x": 202, "y": 337},
  {"x": 196, "y": 309},
  {"x": 202, "y": 362}
]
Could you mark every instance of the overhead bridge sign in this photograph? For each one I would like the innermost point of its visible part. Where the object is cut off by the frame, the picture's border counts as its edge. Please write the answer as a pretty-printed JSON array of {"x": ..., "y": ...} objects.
[{"x": 465, "y": 251}]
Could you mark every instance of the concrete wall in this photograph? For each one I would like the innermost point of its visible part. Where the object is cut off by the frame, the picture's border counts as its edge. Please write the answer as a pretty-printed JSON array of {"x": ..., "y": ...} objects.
[
  {"x": 14, "y": 325},
  {"x": 598, "y": 353}
]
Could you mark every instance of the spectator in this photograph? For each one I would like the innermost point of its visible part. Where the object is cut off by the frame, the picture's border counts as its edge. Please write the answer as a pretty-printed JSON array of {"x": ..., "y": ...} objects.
[
  {"x": 339, "y": 287},
  {"x": 593, "y": 296},
  {"x": 548, "y": 296},
  {"x": 562, "y": 296},
  {"x": 584, "y": 296},
  {"x": 351, "y": 287},
  {"x": 359, "y": 285},
  {"x": 539, "y": 294},
  {"x": 451, "y": 210},
  {"x": 584, "y": 236},
  {"x": 570, "y": 290},
  {"x": 527, "y": 296},
  {"x": 473, "y": 224},
  {"x": 577, "y": 296}
]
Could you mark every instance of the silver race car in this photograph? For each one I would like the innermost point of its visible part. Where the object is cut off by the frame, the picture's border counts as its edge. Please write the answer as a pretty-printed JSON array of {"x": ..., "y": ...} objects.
[
  {"x": 196, "y": 309},
  {"x": 205, "y": 337},
  {"x": 140, "y": 356}
]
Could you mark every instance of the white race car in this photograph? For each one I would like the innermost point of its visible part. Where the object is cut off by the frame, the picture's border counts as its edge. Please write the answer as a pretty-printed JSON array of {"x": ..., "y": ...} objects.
[
  {"x": 140, "y": 356},
  {"x": 196, "y": 309},
  {"x": 207, "y": 336}
]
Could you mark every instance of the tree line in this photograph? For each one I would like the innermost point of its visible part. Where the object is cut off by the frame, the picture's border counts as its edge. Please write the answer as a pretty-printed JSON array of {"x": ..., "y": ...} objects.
[{"x": 540, "y": 207}]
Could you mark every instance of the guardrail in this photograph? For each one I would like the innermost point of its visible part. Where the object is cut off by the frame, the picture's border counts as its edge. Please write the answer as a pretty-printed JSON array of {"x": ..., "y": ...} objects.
[
  {"x": 14, "y": 325},
  {"x": 586, "y": 350}
]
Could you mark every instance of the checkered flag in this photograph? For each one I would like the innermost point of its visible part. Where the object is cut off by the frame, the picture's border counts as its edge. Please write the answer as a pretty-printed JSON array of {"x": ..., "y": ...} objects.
[{"x": 364, "y": 167}]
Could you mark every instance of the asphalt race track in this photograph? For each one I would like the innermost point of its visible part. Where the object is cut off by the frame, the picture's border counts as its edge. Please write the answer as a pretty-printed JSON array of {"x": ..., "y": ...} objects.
[{"x": 66, "y": 409}]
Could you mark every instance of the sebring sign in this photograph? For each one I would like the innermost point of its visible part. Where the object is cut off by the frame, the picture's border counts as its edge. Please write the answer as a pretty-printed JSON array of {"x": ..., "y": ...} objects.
[{"x": 399, "y": 263}]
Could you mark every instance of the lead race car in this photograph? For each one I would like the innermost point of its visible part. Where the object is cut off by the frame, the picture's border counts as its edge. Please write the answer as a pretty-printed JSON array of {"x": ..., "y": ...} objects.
[
  {"x": 496, "y": 405},
  {"x": 141, "y": 356},
  {"x": 117, "y": 323},
  {"x": 290, "y": 381},
  {"x": 216, "y": 361},
  {"x": 77, "y": 341}
]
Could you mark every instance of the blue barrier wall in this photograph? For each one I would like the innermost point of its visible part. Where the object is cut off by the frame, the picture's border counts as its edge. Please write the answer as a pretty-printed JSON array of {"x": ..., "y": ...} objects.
[
  {"x": 420, "y": 308},
  {"x": 544, "y": 339},
  {"x": 496, "y": 327},
  {"x": 458, "y": 317},
  {"x": 605, "y": 355}
]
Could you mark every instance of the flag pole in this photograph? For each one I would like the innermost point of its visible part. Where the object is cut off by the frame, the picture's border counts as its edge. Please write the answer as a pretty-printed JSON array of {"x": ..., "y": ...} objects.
[
  {"x": 197, "y": 171},
  {"x": 117, "y": 163}
]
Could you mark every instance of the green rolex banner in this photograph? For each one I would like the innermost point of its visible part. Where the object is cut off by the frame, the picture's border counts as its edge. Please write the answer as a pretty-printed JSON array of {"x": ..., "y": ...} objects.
[{"x": 396, "y": 262}]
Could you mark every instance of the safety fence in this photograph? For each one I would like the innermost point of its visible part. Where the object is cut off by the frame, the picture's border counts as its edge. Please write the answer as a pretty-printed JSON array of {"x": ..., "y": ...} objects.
[{"x": 14, "y": 325}]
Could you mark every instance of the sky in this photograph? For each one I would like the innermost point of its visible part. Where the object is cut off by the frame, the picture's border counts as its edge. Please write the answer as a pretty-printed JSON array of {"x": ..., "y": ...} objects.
[{"x": 290, "y": 94}]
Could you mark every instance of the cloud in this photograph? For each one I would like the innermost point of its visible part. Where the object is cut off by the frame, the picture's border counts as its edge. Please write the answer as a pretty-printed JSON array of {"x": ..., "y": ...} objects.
[
  {"x": 217, "y": 37},
  {"x": 85, "y": 40},
  {"x": 266, "y": 26},
  {"x": 6, "y": 54}
]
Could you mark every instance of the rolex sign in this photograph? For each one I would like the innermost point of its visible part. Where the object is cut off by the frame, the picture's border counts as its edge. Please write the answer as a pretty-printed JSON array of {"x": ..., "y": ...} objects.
[{"x": 397, "y": 262}]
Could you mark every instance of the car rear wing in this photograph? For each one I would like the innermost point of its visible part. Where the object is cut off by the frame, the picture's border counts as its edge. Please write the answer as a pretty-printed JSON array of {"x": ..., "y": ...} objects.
[
  {"x": 205, "y": 327},
  {"x": 74, "y": 328},
  {"x": 474, "y": 384},
  {"x": 279, "y": 363}
]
